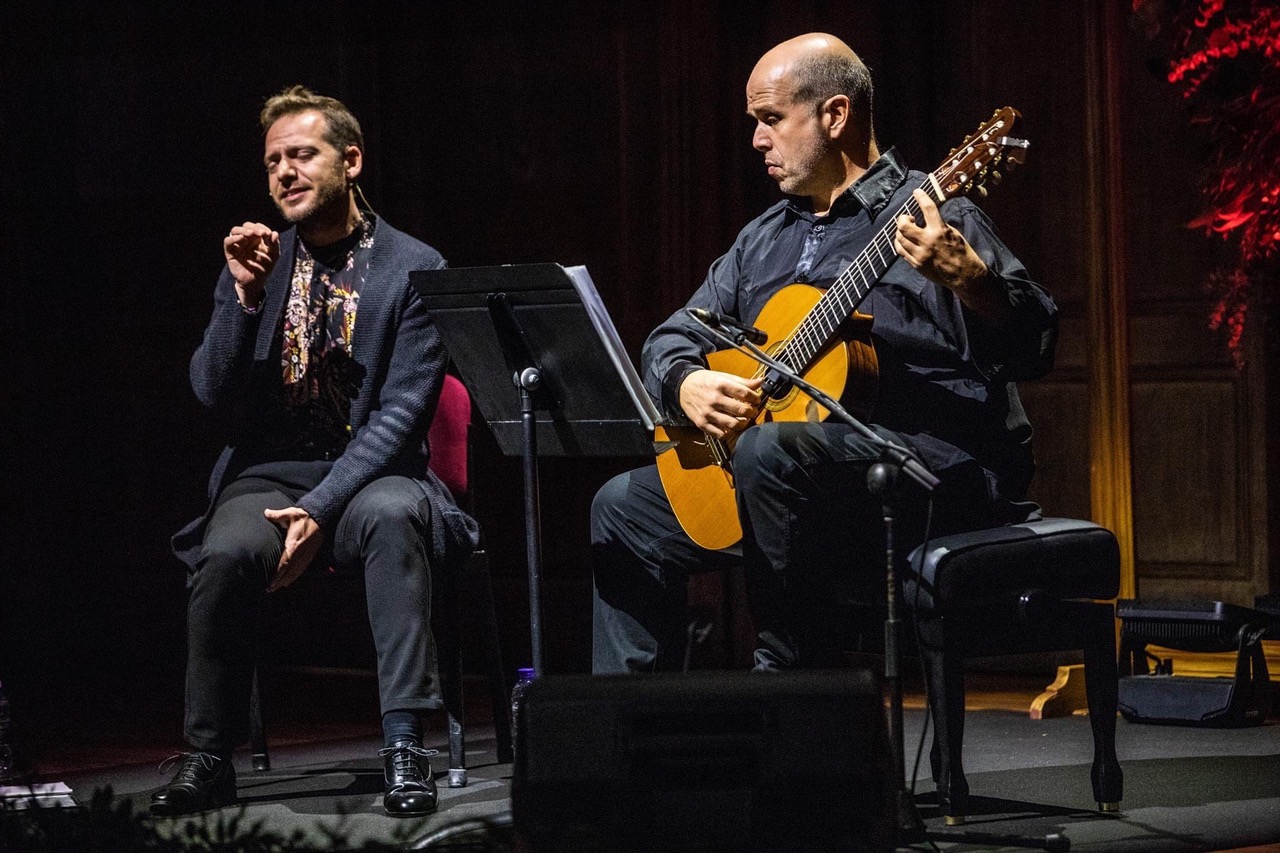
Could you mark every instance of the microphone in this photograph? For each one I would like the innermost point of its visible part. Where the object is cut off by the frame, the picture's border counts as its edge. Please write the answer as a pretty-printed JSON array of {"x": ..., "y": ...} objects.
[{"x": 724, "y": 321}]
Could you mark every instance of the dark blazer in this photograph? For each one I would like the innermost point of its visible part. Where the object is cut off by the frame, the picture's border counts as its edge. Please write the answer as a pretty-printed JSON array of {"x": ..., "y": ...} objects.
[{"x": 401, "y": 360}]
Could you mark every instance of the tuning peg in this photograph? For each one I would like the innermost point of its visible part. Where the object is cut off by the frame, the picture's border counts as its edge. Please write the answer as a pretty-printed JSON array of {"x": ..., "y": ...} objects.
[
  {"x": 982, "y": 190},
  {"x": 995, "y": 179}
]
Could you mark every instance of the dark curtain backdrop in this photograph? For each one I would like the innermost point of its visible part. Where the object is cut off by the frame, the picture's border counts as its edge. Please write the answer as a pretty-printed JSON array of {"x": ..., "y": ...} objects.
[{"x": 585, "y": 132}]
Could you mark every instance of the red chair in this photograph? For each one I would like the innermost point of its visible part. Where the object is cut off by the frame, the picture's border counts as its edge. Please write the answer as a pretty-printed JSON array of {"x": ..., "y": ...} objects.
[
  {"x": 449, "y": 441},
  {"x": 449, "y": 437}
]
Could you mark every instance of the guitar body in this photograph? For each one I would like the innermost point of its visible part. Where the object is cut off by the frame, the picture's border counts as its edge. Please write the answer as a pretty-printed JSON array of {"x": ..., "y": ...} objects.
[{"x": 696, "y": 470}]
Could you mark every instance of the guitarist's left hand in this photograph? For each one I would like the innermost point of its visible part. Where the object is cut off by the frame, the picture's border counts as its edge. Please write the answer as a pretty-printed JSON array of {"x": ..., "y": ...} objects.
[
  {"x": 937, "y": 250},
  {"x": 942, "y": 255}
]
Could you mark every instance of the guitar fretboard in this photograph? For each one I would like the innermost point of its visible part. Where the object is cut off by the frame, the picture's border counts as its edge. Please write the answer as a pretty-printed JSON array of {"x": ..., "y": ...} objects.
[
  {"x": 845, "y": 295},
  {"x": 817, "y": 330}
]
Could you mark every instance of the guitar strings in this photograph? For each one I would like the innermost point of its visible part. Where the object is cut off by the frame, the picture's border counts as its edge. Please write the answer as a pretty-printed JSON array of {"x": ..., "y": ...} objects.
[{"x": 836, "y": 304}]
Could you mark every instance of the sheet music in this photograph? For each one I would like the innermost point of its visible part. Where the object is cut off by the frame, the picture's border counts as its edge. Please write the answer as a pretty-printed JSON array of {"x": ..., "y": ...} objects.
[
  {"x": 608, "y": 334},
  {"x": 42, "y": 795}
]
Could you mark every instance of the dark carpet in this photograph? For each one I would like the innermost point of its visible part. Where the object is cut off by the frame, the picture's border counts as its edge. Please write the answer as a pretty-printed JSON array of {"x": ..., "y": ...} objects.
[{"x": 1186, "y": 789}]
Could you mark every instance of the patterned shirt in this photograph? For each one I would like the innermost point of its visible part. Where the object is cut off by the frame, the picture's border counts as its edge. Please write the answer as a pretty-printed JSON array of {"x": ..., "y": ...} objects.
[{"x": 320, "y": 375}]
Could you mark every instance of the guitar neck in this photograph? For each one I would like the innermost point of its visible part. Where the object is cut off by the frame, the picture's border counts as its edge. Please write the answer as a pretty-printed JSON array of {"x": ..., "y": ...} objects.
[
  {"x": 966, "y": 167},
  {"x": 844, "y": 296}
]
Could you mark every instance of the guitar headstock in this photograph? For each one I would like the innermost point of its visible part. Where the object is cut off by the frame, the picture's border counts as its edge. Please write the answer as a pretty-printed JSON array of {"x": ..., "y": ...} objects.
[{"x": 977, "y": 160}]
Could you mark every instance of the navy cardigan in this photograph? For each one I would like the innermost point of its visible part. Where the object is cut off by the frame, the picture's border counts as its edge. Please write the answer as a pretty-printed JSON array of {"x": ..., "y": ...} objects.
[{"x": 237, "y": 367}]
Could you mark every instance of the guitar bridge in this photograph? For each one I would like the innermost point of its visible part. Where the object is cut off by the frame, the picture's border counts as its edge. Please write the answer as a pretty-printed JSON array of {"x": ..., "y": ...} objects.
[{"x": 720, "y": 452}]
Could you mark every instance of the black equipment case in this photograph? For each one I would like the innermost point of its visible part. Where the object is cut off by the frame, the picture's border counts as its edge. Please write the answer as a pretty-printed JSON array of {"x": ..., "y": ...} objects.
[{"x": 1158, "y": 696}]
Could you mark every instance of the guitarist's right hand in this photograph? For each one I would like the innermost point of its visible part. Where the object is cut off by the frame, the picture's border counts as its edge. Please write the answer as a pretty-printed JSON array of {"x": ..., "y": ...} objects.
[{"x": 718, "y": 403}]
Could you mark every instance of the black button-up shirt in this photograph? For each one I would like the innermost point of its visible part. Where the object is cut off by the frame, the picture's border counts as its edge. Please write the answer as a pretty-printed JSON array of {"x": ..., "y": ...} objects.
[{"x": 946, "y": 376}]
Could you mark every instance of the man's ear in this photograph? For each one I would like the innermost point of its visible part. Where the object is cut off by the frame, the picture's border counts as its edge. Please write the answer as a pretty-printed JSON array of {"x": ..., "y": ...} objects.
[
  {"x": 353, "y": 161},
  {"x": 836, "y": 115}
]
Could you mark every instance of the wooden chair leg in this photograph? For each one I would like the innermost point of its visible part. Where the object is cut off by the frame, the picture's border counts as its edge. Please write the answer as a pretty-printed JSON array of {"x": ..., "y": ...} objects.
[
  {"x": 257, "y": 727},
  {"x": 1102, "y": 687},
  {"x": 944, "y": 670},
  {"x": 495, "y": 671},
  {"x": 475, "y": 586},
  {"x": 473, "y": 580},
  {"x": 449, "y": 645}
]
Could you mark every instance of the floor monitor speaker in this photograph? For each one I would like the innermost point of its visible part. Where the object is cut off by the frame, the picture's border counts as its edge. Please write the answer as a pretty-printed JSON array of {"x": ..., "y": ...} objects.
[{"x": 705, "y": 762}]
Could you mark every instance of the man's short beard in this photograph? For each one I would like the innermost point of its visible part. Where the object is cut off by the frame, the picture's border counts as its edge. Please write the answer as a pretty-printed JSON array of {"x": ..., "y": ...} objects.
[
  {"x": 331, "y": 198},
  {"x": 802, "y": 183}
]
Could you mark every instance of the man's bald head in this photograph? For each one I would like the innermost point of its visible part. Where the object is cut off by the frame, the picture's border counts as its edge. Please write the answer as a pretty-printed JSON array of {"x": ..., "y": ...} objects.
[{"x": 814, "y": 68}]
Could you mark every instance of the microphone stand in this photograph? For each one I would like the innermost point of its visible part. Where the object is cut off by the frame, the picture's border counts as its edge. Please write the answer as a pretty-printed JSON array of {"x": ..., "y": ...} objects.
[{"x": 882, "y": 479}]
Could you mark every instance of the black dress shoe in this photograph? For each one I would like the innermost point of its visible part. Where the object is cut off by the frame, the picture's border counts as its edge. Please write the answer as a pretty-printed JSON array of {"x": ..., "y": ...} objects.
[
  {"x": 409, "y": 789},
  {"x": 203, "y": 781}
]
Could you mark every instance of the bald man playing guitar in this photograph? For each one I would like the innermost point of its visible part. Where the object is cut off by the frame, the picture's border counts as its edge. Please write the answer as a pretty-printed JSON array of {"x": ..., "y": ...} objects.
[{"x": 881, "y": 285}]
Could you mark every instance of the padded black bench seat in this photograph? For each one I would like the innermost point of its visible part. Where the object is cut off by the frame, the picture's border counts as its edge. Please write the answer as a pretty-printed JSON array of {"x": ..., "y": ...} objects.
[{"x": 1029, "y": 587}]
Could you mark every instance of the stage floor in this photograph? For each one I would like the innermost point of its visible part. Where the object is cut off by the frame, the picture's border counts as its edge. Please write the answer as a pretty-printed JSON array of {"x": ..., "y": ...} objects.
[{"x": 1186, "y": 789}]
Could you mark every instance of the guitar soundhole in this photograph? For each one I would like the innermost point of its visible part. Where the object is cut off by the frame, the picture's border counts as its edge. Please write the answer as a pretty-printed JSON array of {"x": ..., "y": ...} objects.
[{"x": 777, "y": 404}]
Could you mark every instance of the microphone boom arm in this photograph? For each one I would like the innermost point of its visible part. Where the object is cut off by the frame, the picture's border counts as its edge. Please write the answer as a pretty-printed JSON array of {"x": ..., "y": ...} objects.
[{"x": 895, "y": 454}]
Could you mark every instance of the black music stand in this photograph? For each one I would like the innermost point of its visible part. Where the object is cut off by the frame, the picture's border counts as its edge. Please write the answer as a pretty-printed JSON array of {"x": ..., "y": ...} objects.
[{"x": 544, "y": 364}]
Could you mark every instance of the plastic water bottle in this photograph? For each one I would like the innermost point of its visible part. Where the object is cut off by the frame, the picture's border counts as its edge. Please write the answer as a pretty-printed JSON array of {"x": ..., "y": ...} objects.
[
  {"x": 8, "y": 770},
  {"x": 524, "y": 677}
]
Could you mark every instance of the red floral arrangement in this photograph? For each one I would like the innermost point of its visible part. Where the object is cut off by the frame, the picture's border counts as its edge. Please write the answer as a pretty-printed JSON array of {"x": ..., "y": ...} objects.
[{"x": 1227, "y": 63}]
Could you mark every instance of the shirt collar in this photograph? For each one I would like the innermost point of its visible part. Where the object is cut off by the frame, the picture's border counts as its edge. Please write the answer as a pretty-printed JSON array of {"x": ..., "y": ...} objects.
[
  {"x": 871, "y": 192},
  {"x": 878, "y": 184}
]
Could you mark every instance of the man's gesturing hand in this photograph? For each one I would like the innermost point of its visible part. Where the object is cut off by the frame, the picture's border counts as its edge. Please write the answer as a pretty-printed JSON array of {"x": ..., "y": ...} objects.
[
  {"x": 302, "y": 541},
  {"x": 251, "y": 250},
  {"x": 720, "y": 403}
]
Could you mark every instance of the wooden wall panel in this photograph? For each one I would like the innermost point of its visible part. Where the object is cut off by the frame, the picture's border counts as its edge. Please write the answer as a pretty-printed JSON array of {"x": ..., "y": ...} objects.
[
  {"x": 1200, "y": 452},
  {"x": 1164, "y": 153},
  {"x": 1203, "y": 497},
  {"x": 1186, "y": 441},
  {"x": 1059, "y": 414},
  {"x": 988, "y": 54}
]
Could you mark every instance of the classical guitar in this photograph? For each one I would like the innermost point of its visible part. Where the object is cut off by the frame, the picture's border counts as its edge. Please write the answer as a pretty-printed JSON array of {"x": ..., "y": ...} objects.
[{"x": 821, "y": 336}]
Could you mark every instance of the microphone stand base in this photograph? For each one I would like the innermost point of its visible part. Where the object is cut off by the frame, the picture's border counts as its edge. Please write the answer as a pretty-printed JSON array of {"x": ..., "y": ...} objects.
[{"x": 912, "y": 831}]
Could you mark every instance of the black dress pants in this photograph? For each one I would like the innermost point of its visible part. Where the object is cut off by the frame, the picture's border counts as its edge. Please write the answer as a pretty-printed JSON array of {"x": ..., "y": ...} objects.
[
  {"x": 384, "y": 531},
  {"x": 813, "y": 540}
]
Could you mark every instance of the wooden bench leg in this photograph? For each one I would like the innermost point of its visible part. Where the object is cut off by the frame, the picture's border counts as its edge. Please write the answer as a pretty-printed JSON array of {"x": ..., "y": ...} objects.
[
  {"x": 1102, "y": 690},
  {"x": 474, "y": 585},
  {"x": 944, "y": 671}
]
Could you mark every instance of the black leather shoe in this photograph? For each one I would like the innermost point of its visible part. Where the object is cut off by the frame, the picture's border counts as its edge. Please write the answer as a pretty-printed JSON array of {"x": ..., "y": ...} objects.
[
  {"x": 409, "y": 789},
  {"x": 203, "y": 781}
]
